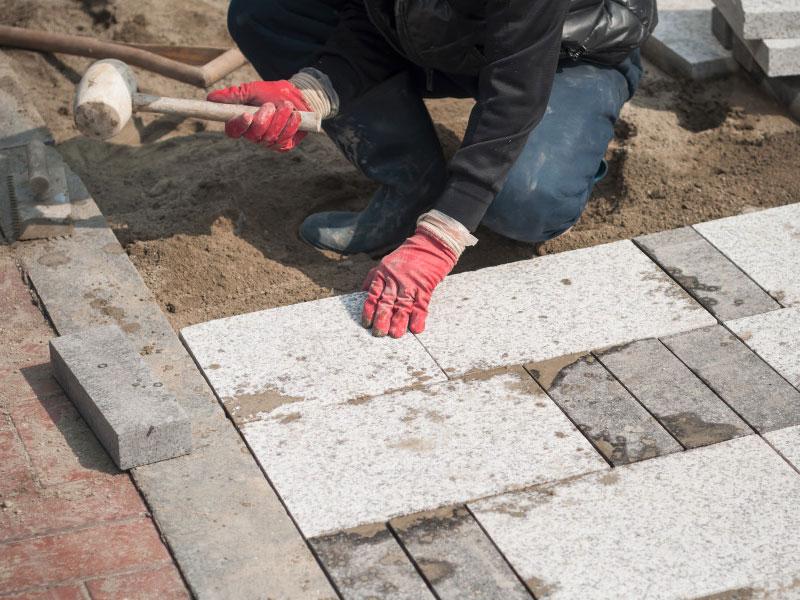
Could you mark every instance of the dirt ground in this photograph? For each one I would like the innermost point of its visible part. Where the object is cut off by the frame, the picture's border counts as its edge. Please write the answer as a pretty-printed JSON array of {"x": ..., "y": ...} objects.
[{"x": 211, "y": 223}]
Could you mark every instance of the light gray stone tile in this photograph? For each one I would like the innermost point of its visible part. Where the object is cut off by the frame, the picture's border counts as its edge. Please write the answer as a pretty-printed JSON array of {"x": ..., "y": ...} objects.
[
  {"x": 743, "y": 380},
  {"x": 367, "y": 563},
  {"x": 683, "y": 44},
  {"x": 765, "y": 245},
  {"x": 456, "y": 557},
  {"x": 710, "y": 522},
  {"x": 312, "y": 351},
  {"x": 702, "y": 270},
  {"x": 787, "y": 442},
  {"x": 682, "y": 403},
  {"x": 721, "y": 30},
  {"x": 775, "y": 337},
  {"x": 366, "y": 460},
  {"x": 762, "y": 19},
  {"x": 619, "y": 427},
  {"x": 555, "y": 305},
  {"x": 134, "y": 417}
]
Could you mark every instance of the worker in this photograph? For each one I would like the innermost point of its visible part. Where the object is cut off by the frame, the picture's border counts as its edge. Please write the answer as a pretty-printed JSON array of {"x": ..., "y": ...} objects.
[{"x": 549, "y": 78}]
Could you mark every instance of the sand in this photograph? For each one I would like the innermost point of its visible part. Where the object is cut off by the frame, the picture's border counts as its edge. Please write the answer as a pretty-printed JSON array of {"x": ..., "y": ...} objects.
[{"x": 211, "y": 223}]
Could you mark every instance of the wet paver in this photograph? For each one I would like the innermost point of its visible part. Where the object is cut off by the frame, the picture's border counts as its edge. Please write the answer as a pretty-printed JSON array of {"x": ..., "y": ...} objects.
[
  {"x": 681, "y": 402},
  {"x": 619, "y": 427},
  {"x": 710, "y": 522},
  {"x": 338, "y": 466}
]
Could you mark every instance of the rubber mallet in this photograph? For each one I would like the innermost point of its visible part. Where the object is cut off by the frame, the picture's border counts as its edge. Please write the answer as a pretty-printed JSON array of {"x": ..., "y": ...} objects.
[{"x": 106, "y": 98}]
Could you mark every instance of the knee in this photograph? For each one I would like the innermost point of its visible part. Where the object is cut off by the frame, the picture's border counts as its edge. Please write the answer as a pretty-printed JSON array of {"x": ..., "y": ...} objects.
[
  {"x": 238, "y": 11},
  {"x": 537, "y": 209}
]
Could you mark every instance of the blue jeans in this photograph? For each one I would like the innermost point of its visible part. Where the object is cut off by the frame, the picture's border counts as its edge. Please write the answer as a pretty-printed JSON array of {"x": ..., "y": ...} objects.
[{"x": 548, "y": 186}]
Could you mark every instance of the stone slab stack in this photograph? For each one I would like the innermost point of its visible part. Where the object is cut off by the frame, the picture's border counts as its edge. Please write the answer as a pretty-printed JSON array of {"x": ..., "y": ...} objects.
[{"x": 764, "y": 36}]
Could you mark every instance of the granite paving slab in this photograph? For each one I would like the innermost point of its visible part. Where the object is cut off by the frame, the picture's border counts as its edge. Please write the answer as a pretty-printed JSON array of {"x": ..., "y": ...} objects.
[
  {"x": 765, "y": 245},
  {"x": 682, "y": 403},
  {"x": 683, "y": 44},
  {"x": 775, "y": 337},
  {"x": 311, "y": 351},
  {"x": 456, "y": 557},
  {"x": 367, "y": 563},
  {"x": 762, "y": 19},
  {"x": 619, "y": 427},
  {"x": 787, "y": 442},
  {"x": 366, "y": 460},
  {"x": 744, "y": 381},
  {"x": 555, "y": 305},
  {"x": 702, "y": 270},
  {"x": 713, "y": 522}
]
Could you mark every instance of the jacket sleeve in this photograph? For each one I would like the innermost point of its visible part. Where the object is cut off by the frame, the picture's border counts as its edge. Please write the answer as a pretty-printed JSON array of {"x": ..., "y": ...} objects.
[
  {"x": 356, "y": 56},
  {"x": 522, "y": 43}
]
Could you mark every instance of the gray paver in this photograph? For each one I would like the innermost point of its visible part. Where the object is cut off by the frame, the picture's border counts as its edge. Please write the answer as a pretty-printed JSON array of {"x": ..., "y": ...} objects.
[
  {"x": 621, "y": 429},
  {"x": 683, "y": 44},
  {"x": 136, "y": 420},
  {"x": 702, "y": 270},
  {"x": 721, "y": 30},
  {"x": 787, "y": 442},
  {"x": 368, "y": 563},
  {"x": 745, "y": 382},
  {"x": 456, "y": 557},
  {"x": 714, "y": 522},
  {"x": 775, "y": 337},
  {"x": 311, "y": 351},
  {"x": 762, "y": 19},
  {"x": 682, "y": 403},
  {"x": 553, "y": 306},
  {"x": 414, "y": 450},
  {"x": 765, "y": 245},
  {"x": 87, "y": 280}
]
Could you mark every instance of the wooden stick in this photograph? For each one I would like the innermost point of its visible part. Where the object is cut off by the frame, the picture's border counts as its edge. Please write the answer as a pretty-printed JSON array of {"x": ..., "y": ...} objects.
[
  {"x": 45, "y": 41},
  {"x": 212, "y": 111}
]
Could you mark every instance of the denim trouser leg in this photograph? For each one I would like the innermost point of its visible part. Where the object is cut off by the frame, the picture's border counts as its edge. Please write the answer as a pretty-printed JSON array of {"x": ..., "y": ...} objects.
[{"x": 549, "y": 185}]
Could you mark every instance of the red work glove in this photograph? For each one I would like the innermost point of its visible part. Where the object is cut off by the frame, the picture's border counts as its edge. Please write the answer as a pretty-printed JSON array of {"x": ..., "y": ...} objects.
[
  {"x": 275, "y": 125},
  {"x": 400, "y": 287}
]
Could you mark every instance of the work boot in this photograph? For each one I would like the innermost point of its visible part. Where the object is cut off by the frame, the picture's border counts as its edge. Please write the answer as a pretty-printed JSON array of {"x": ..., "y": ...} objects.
[{"x": 388, "y": 135}]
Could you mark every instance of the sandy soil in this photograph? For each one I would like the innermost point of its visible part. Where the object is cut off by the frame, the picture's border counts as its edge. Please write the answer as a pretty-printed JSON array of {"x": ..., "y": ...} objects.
[{"x": 212, "y": 223}]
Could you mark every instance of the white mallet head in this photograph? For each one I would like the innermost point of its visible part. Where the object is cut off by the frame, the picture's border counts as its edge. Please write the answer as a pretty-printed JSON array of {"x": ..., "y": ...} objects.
[{"x": 104, "y": 99}]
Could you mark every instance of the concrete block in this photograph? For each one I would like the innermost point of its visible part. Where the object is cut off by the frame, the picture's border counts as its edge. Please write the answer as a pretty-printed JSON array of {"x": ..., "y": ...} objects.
[
  {"x": 366, "y": 460},
  {"x": 620, "y": 428},
  {"x": 682, "y": 403},
  {"x": 684, "y": 45},
  {"x": 367, "y": 562},
  {"x": 745, "y": 382},
  {"x": 721, "y": 30},
  {"x": 762, "y": 19},
  {"x": 703, "y": 271},
  {"x": 456, "y": 557},
  {"x": 134, "y": 417},
  {"x": 787, "y": 442},
  {"x": 765, "y": 245},
  {"x": 555, "y": 305},
  {"x": 775, "y": 337},
  {"x": 706, "y": 523},
  {"x": 312, "y": 351}
]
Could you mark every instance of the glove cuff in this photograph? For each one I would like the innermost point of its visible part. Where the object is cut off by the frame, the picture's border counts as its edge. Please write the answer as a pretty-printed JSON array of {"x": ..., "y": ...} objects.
[
  {"x": 447, "y": 230},
  {"x": 318, "y": 91}
]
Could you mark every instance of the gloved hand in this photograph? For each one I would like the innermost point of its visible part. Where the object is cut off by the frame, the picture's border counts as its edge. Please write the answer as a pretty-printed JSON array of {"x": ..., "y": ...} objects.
[
  {"x": 275, "y": 125},
  {"x": 400, "y": 287}
]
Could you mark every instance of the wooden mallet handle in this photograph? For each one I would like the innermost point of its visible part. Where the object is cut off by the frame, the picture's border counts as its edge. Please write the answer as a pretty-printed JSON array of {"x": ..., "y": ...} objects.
[{"x": 212, "y": 111}]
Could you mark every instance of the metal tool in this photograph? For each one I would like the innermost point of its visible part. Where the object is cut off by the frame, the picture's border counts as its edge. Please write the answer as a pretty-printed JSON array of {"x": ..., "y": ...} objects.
[
  {"x": 34, "y": 198},
  {"x": 106, "y": 97}
]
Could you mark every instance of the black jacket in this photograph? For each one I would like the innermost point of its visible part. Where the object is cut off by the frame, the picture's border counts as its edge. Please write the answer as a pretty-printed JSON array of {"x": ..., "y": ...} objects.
[{"x": 507, "y": 50}]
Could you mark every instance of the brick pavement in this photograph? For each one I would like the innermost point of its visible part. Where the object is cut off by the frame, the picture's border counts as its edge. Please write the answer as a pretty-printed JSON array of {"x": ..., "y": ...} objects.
[{"x": 71, "y": 524}]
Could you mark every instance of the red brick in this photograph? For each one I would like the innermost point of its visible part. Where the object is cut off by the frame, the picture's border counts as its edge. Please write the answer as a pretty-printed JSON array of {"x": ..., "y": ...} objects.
[
  {"x": 71, "y": 505},
  {"x": 23, "y": 328},
  {"x": 164, "y": 583},
  {"x": 57, "y": 593},
  {"x": 25, "y": 383},
  {"x": 15, "y": 473},
  {"x": 89, "y": 553},
  {"x": 61, "y": 446}
]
